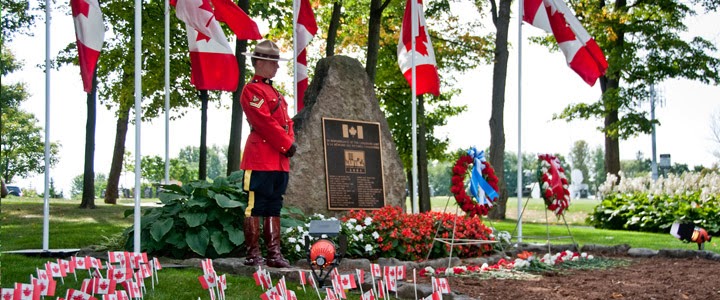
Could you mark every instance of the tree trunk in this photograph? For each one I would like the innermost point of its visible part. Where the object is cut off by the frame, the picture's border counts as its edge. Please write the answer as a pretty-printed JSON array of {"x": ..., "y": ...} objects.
[
  {"x": 612, "y": 144},
  {"x": 410, "y": 187},
  {"x": 333, "y": 28},
  {"x": 373, "y": 46},
  {"x": 88, "y": 195},
  {"x": 202, "y": 168},
  {"x": 236, "y": 121},
  {"x": 497, "y": 130},
  {"x": 111, "y": 191},
  {"x": 423, "y": 186}
]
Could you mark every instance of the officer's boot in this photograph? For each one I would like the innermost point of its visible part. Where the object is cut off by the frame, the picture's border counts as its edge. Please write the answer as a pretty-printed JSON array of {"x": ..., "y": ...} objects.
[
  {"x": 251, "y": 228},
  {"x": 271, "y": 228}
]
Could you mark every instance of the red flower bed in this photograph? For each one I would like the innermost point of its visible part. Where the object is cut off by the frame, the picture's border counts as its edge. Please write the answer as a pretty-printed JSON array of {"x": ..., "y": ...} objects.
[{"x": 410, "y": 236}]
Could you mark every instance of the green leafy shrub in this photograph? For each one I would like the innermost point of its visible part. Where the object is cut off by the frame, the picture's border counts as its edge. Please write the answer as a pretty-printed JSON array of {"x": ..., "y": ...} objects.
[
  {"x": 197, "y": 219},
  {"x": 639, "y": 204}
]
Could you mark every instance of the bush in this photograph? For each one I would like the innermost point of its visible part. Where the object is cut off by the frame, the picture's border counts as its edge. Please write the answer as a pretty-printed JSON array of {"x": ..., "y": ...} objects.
[
  {"x": 198, "y": 219},
  {"x": 640, "y": 204},
  {"x": 389, "y": 232}
]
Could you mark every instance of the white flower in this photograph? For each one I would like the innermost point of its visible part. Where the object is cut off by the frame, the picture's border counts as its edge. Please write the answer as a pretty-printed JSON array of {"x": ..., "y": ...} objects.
[
  {"x": 290, "y": 229},
  {"x": 484, "y": 267},
  {"x": 430, "y": 270},
  {"x": 324, "y": 236},
  {"x": 375, "y": 235},
  {"x": 358, "y": 228},
  {"x": 368, "y": 248},
  {"x": 292, "y": 240},
  {"x": 297, "y": 248},
  {"x": 355, "y": 238},
  {"x": 590, "y": 257},
  {"x": 352, "y": 220},
  {"x": 521, "y": 263},
  {"x": 361, "y": 236},
  {"x": 583, "y": 255},
  {"x": 368, "y": 221}
]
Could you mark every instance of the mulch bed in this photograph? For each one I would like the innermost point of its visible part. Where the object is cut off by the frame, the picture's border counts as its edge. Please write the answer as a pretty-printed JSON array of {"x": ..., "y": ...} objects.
[{"x": 644, "y": 278}]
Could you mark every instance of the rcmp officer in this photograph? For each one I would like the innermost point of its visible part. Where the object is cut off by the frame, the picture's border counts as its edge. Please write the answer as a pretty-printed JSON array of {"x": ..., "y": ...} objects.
[{"x": 266, "y": 158}]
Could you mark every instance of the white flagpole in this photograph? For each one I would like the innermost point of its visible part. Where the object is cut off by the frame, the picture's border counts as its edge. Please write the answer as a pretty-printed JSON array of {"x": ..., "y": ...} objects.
[
  {"x": 46, "y": 201},
  {"x": 167, "y": 93},
  {"x": 414, "y": 34},
  {"x": 519, "y": 161},
  {"x": 296, "y": 11},
  {"x": 138, "y": 120}
]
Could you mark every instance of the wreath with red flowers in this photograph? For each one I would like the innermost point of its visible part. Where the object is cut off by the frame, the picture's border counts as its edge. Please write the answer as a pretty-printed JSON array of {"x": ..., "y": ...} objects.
[
  {"x": 553, "y": 184},
  {"x": 460, "y": 171}
]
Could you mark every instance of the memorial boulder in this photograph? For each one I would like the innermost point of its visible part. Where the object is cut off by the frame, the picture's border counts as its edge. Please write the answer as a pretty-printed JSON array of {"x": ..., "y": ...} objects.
[{"x": 346, "y": 157}]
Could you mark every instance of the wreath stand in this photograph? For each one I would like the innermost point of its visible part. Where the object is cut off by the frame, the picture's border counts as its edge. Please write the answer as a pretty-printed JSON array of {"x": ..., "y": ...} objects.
[
  {"x": 547, "y": 226},
  {"x": 453, "y": 241}
]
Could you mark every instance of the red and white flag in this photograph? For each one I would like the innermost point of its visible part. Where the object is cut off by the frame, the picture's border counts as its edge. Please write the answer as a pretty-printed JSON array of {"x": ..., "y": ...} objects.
[
  {"x": 441, "y": 285},
  {"x": 375, "y": 269},
  {"x": 119, "y": 274},
  {"x": 67, "y": 266},
  {"x": 240, "y": 23},
  {"x": 132, "y": 289},
  {"x": 271, "y": 294},
  {"x": 7, "y": 294},
  {"x": 380, "y": 289},
  {"x": 400, "y": 272},
  {"x": 46, "y": 286},
  {"x": 582, "y": 53},
  {"x": 262, "y": 278},
  {"x": 54, "y": 269},
  {"x": 305, "y": 30},
  {"x": 120, "y": 257},
  {"x": 303, "y": 278},
  {"x": 207, "y": 266},
  {"x": 368, "y": 295},
  {"x": 207, "y": 281},
  {"x": 291, "y": 295},
  {"x": 434, "y": 296},
  {"x": 156, "y": 264},
  {"x": 87, "y": 285},
  {"x": 119, "y": 295},
  {"x": 212, "y": 61},
  {"x": 95, "y": 262},
  {"x": 26, "y": 291},
  {"x": 104, "y": 286},
  {"x": 90, "y": 33},
  {"x": 330, "y": 294},
  {"x": 390, "y": 275},
  {"x": 347, "y": 281},
  {"x": 72, "y": 294},
  {"x": 110, "y": 297},
  {"x": 81, "y": 263},
  {"x": 360, "y": 276},
  {"x": 42, "y": 274},
  {"x": 427, "y": 80},
  {"x": 337, "y": 286}
]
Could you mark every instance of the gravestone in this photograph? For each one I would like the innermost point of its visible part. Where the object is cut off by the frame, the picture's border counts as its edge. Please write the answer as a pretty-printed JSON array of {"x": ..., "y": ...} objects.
[{"x": 340, "y": 90}]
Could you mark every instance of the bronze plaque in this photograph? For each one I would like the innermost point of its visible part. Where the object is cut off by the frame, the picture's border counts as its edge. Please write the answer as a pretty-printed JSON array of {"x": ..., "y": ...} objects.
[{"x": 353, "y": 164}]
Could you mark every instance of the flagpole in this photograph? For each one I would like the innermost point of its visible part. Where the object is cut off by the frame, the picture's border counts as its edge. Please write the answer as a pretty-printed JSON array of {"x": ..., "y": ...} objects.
[
  {"x": 138, "y": 120},
  {"x": 46, "y": 201},
  {"x": 167, "y": 92},
  {"x": 296, "y": 9},
  {"x": 414, "y": 34},
  {"x": 519, "y": 161}
]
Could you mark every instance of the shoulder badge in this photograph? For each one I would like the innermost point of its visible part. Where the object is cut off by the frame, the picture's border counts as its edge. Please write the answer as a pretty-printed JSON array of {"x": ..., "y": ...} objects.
[{"x": 256, "y": 102}]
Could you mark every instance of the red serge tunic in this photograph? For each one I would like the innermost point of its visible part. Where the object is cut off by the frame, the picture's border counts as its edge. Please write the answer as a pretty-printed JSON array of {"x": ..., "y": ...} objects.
[{"x": 271, "y": 133}]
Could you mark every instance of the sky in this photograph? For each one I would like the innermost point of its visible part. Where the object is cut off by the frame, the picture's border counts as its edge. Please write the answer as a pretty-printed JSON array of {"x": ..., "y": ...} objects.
[{"x": 548, "y": 85}]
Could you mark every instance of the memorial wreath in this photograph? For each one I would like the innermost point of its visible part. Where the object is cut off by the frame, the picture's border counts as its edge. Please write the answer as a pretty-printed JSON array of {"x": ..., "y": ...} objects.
[
  {"x": 483, "y": 183},
  {"x": 553, "y": 183}
]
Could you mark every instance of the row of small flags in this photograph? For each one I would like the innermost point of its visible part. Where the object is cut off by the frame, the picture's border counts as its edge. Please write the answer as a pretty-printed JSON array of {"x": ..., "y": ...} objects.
[
  {"x": 123, "y": 273},
  {"x": 216, "y": 285},
  {"x": 381, "y": 288}
]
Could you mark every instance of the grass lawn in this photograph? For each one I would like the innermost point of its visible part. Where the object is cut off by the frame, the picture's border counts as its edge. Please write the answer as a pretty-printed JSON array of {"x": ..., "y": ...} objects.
[{"x": 70, "y": 227}]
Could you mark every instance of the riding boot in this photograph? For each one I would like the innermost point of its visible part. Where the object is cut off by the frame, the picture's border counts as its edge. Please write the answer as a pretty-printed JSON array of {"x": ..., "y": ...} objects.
[
  {"x": 251, "y": 228},
  {"x": 271, "y": 229}
]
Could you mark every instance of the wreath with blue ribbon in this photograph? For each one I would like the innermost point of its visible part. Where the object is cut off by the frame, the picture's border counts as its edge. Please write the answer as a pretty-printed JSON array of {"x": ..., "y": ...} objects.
[{"x": 483, "y": 183}]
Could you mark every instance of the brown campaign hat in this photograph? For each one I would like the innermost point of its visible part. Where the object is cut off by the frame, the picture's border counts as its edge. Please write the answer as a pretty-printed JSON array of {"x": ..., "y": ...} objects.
[{"x": 266, "y": 50}]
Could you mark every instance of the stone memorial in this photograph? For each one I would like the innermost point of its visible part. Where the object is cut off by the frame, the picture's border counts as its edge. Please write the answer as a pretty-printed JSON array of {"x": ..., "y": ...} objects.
[{"x": 341, "y": 94}]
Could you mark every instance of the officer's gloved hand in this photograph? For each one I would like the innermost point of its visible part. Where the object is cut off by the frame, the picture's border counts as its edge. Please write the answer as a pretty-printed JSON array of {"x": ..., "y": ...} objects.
[{"x": 291, "y": 151}]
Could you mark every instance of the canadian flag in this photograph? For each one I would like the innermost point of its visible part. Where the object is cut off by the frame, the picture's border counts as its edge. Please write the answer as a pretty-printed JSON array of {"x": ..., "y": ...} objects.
[
  {"x": 305, "y": 30},
  {"x": 156, "y": 264},
  {"x": 212, "y": 60},
  {"x": 337, "y": 286},
  {"x": 222, "y": 284},
  {"x": 120, "y": 257},
  {"x": 119, "y": 295},
  {"x": 347, "y": 281},
  {"x": 110, "y": 297},
  {"x": 104, "y": 286},
  {"x": 380, "y": 289},
  {"x": 207, "y": 281},
  {"x": 88, "y": 285},
  {"x": 7, "y": 294},
  {"x": 330, "y": 294},
  {"x": 67, "y": 266},
  {"x": 291, "y": 295},
  {"x": 81, "y": 263},
  {"x": 42, "y": 274},
  {"x": 441, "y": 285},
  {"x": 95, "y": 262},
  {"x": 207, "y": 266},
  {"x": 132, "y": 288},
  {"x": 368, "y": 295},
  {"x": 390, "y": 276},
  {"x": 400, "y": 272},
  {"x": 303, "y": 278},
  {"x": 434, "y": 296},
  {"x": 72, "y": 294},
  {"x": 26, "y": 291},
  {"x": 375, "y": 269},
  {"x": 46, "y": 286},
  {"x": 239, "y": 22},
  {"x": 427, "y": 80},
  {"x": 119, "y": 274},
  {"x": 54, "y": 269},
  {"x": 271, "y": 294},
  {"x": 360, "y": 276},
  {"x": 90, "y": 32},
  {"x": 582, "y": 53},
  {"x": 262, "y": 279}
]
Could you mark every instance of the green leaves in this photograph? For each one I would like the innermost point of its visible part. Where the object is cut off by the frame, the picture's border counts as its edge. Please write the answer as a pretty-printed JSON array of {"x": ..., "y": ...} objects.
[
  {"x": 224, "y": 201},
  {"x": 160, "y": 228},
  {"x": 198, "y": 240}
]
